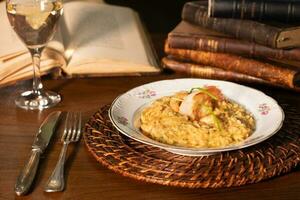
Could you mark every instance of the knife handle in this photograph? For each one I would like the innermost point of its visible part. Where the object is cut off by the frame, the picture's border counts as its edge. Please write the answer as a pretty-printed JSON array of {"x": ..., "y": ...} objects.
[{"x": 28, "y": 173}]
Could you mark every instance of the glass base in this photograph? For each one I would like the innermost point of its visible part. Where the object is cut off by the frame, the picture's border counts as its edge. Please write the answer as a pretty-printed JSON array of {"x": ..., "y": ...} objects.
[{"x": 41, "y": 100}]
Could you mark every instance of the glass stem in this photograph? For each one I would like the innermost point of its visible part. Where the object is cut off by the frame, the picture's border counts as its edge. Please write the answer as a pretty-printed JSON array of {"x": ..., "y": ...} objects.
[{"x": 37, "y": 85}]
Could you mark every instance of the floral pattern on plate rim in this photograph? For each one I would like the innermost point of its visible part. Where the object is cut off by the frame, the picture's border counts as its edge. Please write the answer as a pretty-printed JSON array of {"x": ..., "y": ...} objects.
[
  {"x": 146, "y": 94},
  {"x": 122, "y": 120},
  {"x": 264, "y": 108}
]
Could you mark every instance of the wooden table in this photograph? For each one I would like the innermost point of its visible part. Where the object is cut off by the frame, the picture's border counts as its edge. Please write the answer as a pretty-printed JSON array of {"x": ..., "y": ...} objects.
[{"x": 86, "y": 179}]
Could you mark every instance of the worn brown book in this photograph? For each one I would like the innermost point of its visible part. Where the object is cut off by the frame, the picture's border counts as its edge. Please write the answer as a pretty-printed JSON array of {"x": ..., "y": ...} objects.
[
  {"x": 269, "y": 72},
  {"x": 289, "y": 63},
  {"x": 208, "y": 72},
  {"x": 275, "y": 36},
  {"x": 204, "y": 71},
  {"x": 189, "y": 36},
  {"x": 283, "y": 11}
]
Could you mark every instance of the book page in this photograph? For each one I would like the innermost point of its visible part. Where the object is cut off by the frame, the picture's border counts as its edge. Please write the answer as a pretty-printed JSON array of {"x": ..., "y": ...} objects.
[{"x": 100, "y": 33}]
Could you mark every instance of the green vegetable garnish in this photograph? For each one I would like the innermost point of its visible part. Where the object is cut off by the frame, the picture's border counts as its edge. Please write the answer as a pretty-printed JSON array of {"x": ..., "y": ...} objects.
[
  {"x": 215, "y": 118},
  {"x": 217, "y": 122},
  {"x": 204, "y": 91}
]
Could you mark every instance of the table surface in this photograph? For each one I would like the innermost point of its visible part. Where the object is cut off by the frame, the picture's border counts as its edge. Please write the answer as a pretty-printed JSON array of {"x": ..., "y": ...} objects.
[{"x": 86, "y": 178}]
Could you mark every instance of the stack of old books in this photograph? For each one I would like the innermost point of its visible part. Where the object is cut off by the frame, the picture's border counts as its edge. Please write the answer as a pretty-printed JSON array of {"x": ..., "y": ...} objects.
[{"x": 249, "y": 41}]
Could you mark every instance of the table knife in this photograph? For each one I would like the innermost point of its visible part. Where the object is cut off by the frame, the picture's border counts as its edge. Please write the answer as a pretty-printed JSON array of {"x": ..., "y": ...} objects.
[{"x": 40, "y": 143}]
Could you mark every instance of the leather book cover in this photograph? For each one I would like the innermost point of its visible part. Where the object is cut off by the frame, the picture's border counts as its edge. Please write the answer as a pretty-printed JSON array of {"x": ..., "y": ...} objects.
[
  {"x": 208, "y": 72},
  {"x": 283, "y": 11},
  {"x": 204, "y": 71},
  {"x": 275, "y": 35},
  {"x": 288, "y": 77},
  {"x": 189, "y": 36}
]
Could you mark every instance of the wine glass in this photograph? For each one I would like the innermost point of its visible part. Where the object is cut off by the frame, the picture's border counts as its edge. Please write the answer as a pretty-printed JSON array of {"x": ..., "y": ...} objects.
[{"x": 35, "y": 22}]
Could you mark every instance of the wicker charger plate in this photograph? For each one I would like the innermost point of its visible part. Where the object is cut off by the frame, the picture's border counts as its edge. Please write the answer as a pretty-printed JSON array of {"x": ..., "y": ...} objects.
[{"x": 276, "y": 156}]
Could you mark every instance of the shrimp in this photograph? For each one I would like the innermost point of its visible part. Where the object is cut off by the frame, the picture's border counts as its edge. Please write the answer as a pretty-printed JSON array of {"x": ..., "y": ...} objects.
[
  {"x": 176, "y": 100},
  {"x": 200, "y": 103},
  {"x": 215, "y": 91}
]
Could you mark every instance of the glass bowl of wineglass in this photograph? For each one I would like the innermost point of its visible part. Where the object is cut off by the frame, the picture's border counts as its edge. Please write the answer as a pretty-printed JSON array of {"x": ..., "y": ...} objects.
[{"x": 35, "y": 22}]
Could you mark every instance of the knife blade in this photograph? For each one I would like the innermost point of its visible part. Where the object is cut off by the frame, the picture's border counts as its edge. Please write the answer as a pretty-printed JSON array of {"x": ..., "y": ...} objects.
[{"x": 40, "y": 143}]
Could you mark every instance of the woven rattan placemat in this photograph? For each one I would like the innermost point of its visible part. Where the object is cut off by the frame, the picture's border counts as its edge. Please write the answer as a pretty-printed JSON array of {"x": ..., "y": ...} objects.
[{"x": 275, "y": 156}]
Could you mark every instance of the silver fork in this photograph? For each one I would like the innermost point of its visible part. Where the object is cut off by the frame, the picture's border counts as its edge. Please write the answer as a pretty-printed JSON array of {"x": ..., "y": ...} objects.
[{"x": 72, "y": 131}]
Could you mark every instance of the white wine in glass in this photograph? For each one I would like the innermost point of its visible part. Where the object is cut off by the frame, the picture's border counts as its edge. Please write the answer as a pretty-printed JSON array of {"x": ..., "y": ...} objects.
[{"x": 35, "y": 22}]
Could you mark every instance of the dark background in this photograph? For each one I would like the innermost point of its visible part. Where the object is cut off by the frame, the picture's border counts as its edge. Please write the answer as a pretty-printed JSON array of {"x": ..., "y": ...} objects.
[{"x": 159, "y": 16}]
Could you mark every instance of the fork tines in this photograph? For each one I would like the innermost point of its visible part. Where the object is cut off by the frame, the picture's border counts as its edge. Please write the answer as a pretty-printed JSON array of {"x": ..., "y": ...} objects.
[{"x": 72, "y": 129}]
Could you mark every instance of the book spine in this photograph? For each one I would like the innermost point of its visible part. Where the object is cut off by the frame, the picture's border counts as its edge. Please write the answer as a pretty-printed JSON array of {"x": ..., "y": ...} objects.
[
  {"x": 272, "y": 73},
  {"x": 202, "y": 71},
  {"x": 252, "y": 31},
  {"x": 208, "y": 72},
  {"x": 255, "y": 10},
  {"x": 232, "y": 46}
]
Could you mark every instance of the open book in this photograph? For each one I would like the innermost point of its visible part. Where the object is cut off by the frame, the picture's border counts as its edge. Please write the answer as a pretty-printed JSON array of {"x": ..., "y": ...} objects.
[{"x": 92, "y": 40}]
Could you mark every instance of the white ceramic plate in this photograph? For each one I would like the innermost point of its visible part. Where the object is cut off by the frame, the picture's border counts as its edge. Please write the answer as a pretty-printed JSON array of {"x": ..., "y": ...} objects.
[{"x": 268, "y": 114}]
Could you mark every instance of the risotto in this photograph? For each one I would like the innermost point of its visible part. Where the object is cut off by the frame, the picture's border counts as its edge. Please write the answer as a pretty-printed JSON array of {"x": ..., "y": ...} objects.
[{"x": 203, "y": 119}]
